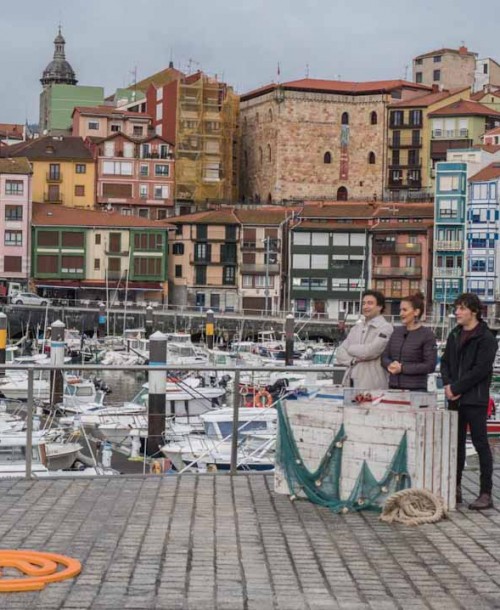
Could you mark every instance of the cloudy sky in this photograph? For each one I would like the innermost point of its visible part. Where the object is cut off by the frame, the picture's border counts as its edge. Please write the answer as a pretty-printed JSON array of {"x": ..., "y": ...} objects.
[{"x": 239, "y": 40}]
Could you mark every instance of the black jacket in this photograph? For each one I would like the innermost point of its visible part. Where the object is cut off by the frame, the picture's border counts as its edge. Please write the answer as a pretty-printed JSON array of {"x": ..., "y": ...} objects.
[
  {"x": 416, "y": 351},
  {"x": 468, "y": 368}
]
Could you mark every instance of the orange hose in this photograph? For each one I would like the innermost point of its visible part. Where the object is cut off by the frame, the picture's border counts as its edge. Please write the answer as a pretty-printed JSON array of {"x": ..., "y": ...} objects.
[{"x": 40, "y": 568}]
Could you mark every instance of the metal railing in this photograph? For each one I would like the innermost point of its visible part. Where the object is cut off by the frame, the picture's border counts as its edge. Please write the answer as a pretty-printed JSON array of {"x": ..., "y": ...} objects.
[{"x": 85, "y": 368}]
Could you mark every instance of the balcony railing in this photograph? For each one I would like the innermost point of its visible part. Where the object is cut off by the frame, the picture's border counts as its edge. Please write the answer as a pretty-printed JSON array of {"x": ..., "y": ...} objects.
[
  {"x": 380, "y": 271},
  {"x": 448, "y": 272},
  {"x": 446, "y": 134},
  {"x": 410, "y": 165},
  {"x": 54, "y": 177},
  {"x": 388, "y": 247},
  {"x": 249, "y": 268},
  {"x": 405, "y": 143},
  {"x": 52, "y": 198},
  {"x": 445, "y": 244}
]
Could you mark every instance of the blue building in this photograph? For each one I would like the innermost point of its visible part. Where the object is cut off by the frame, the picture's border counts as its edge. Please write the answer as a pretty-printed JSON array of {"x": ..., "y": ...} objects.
[
  {"x": 449, "y": 233},
  {"x": 483, "y": 223}
]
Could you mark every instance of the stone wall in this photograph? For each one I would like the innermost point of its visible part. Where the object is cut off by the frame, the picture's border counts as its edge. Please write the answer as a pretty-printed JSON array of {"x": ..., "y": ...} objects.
[{"x": 286, "y": 134}]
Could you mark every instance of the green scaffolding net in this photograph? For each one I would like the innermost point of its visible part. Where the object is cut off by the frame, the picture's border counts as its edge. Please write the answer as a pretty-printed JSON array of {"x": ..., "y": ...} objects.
[{"x": 322, "y": 486}]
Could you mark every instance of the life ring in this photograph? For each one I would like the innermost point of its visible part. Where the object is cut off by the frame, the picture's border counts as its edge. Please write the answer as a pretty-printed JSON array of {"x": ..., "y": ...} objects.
[
  {"x": 245, "y": 390},
  {"x": 262, "y": 399}
]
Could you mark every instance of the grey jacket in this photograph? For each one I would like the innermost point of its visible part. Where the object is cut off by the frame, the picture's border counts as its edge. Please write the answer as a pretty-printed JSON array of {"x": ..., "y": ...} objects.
[
  {"x": 365, "y": 344},
  {"x": 416, "y": 351}
]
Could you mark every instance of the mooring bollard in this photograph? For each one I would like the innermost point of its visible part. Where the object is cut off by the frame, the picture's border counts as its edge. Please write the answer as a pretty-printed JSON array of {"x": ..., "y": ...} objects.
[
  {"x": 3, "y": 341},
  {"x": 149, "y": 321},
  {"x": 209, "y": 329},
  {"x": 101, "y": 322},
  {"x": 157, "y": 392},
  {"x": 56, "y": 360},
  {"x": 289, "y": 332}
]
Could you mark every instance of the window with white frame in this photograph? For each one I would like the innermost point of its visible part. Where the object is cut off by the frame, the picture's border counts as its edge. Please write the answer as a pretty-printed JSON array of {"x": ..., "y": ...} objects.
[
  {"x": 301, "y": 261},
  {"x": 358, "y": 239},
  {"x": 114, "y": 127},
  {"x": 320, "y": 239},
  {"x": 319, "y": 261},
  {"x": 247, "y": 281},
  {"x": 302, "y": 238},
  {"x": 339, "y": 284},
  {"x": 109, "y": 149},
  {"x": 117, "y": 168},
  {"x": 159, "y": 94},
  {"x": 161, "y": 192},
  {"x": 448, "y": 208},
  {"x": 93, "y": 125},
  {"x": 144, "y": 169},
  {"x": 480, "y": 191},
  {"x": 13, "y": 238},
  {"x": 159, "y": 112},
  {"x": 14, "y": 187},
  {"x": 143, "y": 191},
  {"x": 162, "y": 169},
  {"x": 340, "y": 239},
  {"x": 449, "y": 183},
  {"x": 128, "y": 150},
  {"x": 260, "y": 281}
]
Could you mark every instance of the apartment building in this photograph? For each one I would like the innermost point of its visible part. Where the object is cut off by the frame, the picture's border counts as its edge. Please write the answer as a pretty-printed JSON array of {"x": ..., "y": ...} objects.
[
  {"x": 447, "y": 68},
  {"x": 103, "y": 121}
]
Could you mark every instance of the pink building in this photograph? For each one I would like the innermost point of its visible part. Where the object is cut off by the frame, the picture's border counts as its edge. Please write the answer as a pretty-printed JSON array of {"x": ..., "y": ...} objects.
[
  {"x": 103, "y": 121},
  {"x": 492, "y": 137},
  {"x": 15, "y": 217},
  {"x": 135, "y": 176}
]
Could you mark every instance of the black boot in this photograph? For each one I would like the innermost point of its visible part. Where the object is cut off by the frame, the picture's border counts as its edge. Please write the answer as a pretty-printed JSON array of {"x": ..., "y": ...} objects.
[
  {"x": 458, "y": 496},
  {"x": 483, "y": 502}
]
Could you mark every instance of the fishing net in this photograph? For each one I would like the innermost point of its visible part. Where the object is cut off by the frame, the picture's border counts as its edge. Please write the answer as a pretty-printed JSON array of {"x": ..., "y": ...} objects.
[{"x": 322, "y": 486}]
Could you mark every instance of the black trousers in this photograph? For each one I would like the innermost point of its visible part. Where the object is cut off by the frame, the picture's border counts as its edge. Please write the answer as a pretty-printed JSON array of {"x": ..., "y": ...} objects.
[{"x": 475, "y": 418}]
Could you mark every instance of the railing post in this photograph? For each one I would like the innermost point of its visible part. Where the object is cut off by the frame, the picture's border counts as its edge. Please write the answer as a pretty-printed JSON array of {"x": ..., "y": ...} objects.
[
  {"x": 29, "y": 423},
  {"x": 157, "y": 392},
  {"x": 289, "y": 332},
  {"x": 236, "y": 409}
]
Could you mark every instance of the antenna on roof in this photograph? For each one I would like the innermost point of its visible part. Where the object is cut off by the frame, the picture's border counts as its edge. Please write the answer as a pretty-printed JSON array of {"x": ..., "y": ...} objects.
[
  {"x": 406, "y": 73},
  {"x": 307, "y": 70},
  {"x": 133, "y": 73}
]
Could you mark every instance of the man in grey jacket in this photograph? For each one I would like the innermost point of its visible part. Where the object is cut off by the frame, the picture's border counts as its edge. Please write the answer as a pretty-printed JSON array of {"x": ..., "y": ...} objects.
[{"x": 362, "y": 349}]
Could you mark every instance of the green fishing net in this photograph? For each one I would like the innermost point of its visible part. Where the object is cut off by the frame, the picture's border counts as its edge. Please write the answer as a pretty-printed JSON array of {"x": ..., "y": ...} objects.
[{"x": 323, "y": 485}]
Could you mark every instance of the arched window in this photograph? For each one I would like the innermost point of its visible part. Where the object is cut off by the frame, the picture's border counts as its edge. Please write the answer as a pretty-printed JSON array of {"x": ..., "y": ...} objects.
[
  {"x": 345, "y": 118},
  {"x": 270, "y": 114},
  {"x": 260, "y": 155},
  {"x": 269, "y": 155},
  {"x": 256, "y": 117},
  {"x": 269, "y": 198},
  {"x": 373, "y": 118},
  {"x": 371, "y": 158},
  {"x": 342, "y": 194},
  {"x": 327, "y": 157}
]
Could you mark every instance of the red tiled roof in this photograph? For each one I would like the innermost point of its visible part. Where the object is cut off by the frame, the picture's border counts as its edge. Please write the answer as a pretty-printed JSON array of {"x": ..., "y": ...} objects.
[
  {"x": 489, "y": 148},
  {"x": 50, "y": 147},
  {"x": 19, "y": 165},
  {"x": 490, "y": 172},
  {"x": 262, "y": 215},
  {"x": 110, "y": 111},
  {"x": 465, "y": 108},
  {"x": 337, "y": 86},
  {"x": 492, "y": 132},
  {"x": 423, "y": 101},
  {"x": 14, "y": 128},
  {"x": 479, "y": 95},
  {"x": 47, "y": 214},
  {"x": 445, "y": 50}
]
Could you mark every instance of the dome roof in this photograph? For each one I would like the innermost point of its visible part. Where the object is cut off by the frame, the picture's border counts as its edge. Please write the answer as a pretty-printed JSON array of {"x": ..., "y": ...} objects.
[{"x": 59, "y": 71}]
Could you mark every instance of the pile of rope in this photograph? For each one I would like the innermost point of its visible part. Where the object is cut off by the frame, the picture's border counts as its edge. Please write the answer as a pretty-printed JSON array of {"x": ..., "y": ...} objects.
[{"x": 413, "y": 507}]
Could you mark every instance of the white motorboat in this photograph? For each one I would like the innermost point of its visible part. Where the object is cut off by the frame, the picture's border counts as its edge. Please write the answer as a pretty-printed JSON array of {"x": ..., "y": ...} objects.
[{"x": 256, "y": 441}]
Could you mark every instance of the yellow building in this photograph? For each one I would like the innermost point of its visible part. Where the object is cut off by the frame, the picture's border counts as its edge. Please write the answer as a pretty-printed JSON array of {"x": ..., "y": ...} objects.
[
  {"x": 63, "y": 170},
  {"x": 409, "y": 165}
]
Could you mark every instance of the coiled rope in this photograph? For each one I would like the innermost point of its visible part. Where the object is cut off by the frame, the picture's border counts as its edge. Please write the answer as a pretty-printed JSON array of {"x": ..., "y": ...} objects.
[{"x": 413, "y": 507}]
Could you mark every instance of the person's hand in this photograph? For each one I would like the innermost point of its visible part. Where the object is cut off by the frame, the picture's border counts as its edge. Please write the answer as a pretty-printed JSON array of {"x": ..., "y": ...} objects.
[
  {"x": 449, "y": 394},
  {"x": 394, "y": 368}
]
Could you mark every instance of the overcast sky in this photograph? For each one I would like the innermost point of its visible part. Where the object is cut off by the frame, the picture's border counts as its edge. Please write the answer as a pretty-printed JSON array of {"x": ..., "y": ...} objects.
[{"x": 239, "y": 40}]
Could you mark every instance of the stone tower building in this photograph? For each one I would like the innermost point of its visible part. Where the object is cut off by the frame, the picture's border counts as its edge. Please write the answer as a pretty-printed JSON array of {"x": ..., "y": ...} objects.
[{"x": 312, "y": 139}]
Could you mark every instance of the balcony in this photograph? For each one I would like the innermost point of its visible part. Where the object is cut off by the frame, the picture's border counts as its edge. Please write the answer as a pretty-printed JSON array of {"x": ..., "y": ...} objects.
[
  {"x": 52, "y": 198},
  {"x": 54, "y": 177},
  {"x": 446, "y": 134},
  {"x": 448, "y": 272},
  {"x": 405, "y": 143},
  {"x": 391, "y": 247},
  {"x": 417, "y": 164},
  {"x": 413, "y": 272},
  {"x": 249, "y": 269},
  {"x": 114, "y": 275},
  {"x": 119, "y": 253},
  {"x": 445, "y": 244}
]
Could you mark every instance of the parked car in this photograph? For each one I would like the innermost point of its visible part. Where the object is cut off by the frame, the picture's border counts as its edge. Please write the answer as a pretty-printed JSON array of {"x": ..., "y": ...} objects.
[{"x": 29, "y": 298}]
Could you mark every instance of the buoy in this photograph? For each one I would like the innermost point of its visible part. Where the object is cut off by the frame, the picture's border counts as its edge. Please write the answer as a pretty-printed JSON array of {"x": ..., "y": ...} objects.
[{"x": 262, "y": 399}]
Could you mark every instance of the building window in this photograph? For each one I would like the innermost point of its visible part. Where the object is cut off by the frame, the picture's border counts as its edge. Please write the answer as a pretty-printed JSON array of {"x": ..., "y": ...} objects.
[
  {"x": 13, "y": 238},
  {"x": 137, "y": 130},
  {"x": 418, "y": 77},
  {"x": 448, "y": 208},
  {"x": 396, "y": 118},
  {"x": 415, "y": 118},
  {"x": 79, "y": 190},
  {"x": 260, "y": 155},
  {"x": 342, "y": 194},
  {"x": 93, "y": 125},
  {"x": 161, "y": 192},
  {"x": 148, "y": 241},
  {"x": 81, "y": 168},
  {"x": 437, "y": 59},
  {"x": 485, "y": 68},
  {"x": 373, "y": 118},
  {"x": 144, "y": 170},
  {"x": 436, "y": 75},
  {"x": 115, "y": 128},
  {"x": 148, "y": 266},
  {"x": 126, "y": 212},
  {"x": 229, "y": 275},
  {"x": 418, "y": 62},
  {"x": 270, "y": 114},
  {"x": 345, "y": 118},
  {"x": 449, "y": 183},
  {"x": 72, "y": 239},
  {"x": 97, "y": 239},
  {"x": 145, "y": 151},
  {"x": 72, "y": 264},
  {"x": 143, "y": 213},
  {"x": 371, "y": 158},
  {"x": 14, "y": 187},
  {"x": 161, "y": 214},
  {"x": 178, "y": 270},
  {"x": 13, "y": 264},
  {"x": 13, "y": 212},
  {"x": 97, "y": 264},
  {"x": 201, "y": 276},
  {"x": 269, "y": 155},
  {"x": 202, "y": 252},
  {"x": 178, "y": 249},
  {"x": 327, "y": 158},
  {"x": 143, "y": 191},
  {"x": 162, "y": 170},
  {"x": 47, "y": 263}
]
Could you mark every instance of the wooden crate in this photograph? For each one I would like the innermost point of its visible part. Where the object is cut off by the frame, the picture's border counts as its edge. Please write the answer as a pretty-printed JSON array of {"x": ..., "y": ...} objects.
[{"x": 374, "y": 434}]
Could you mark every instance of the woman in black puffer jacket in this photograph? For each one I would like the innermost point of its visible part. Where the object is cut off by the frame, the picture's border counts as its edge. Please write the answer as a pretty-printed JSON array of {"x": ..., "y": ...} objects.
[{"x": 411, "y": 353}]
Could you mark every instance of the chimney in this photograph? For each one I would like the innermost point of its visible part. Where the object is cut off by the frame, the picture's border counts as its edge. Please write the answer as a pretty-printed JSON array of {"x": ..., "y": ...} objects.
[
  {"x": 435, "y": 87},
  {"x": 463, "y": 50}
]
